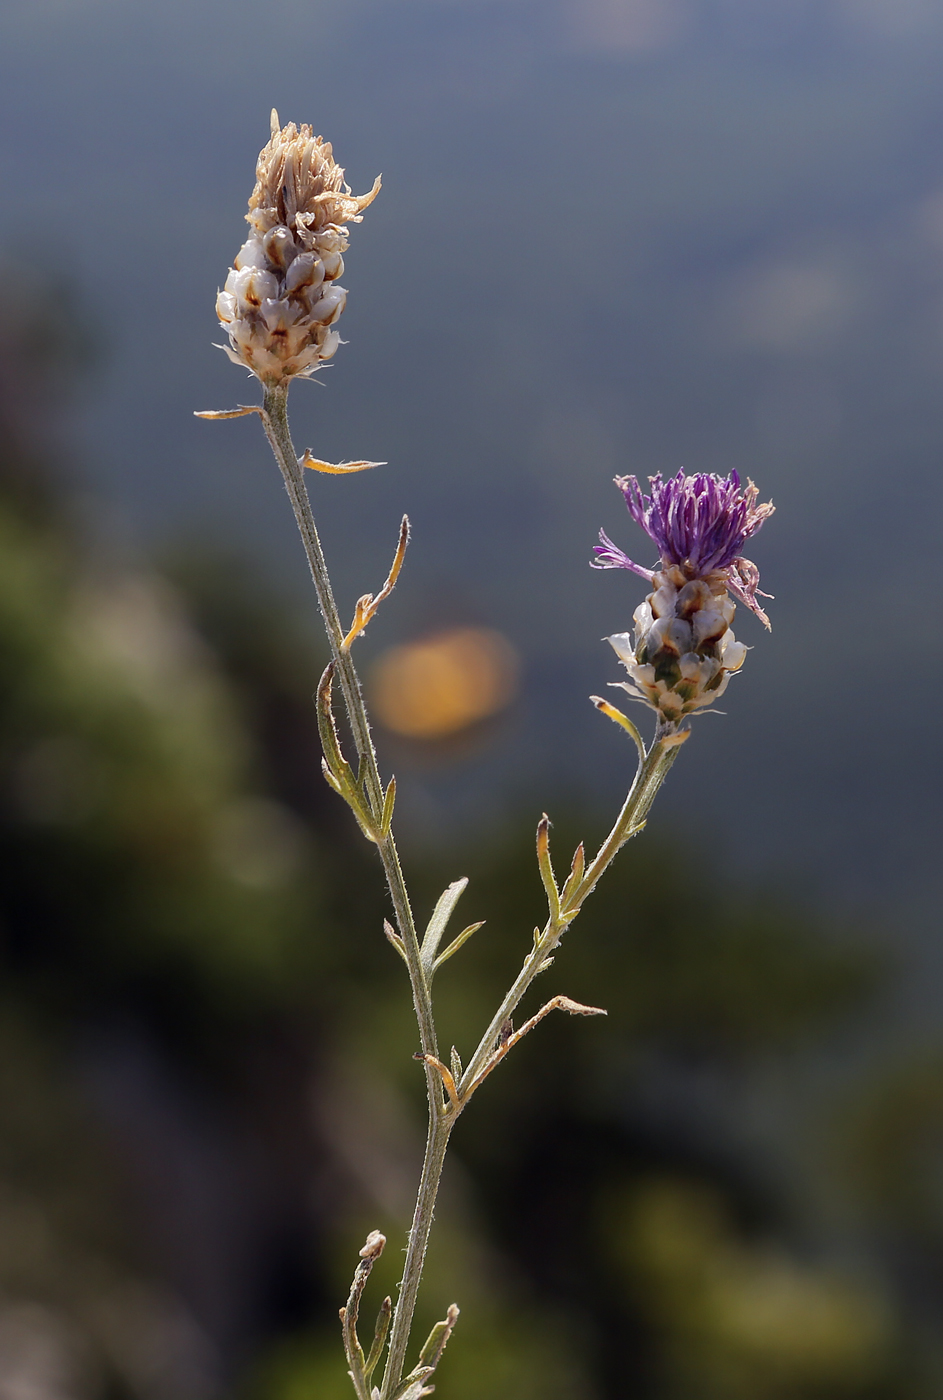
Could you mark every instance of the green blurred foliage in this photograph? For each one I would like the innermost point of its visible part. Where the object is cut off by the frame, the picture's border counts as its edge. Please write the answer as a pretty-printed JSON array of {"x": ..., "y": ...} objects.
[{"x": 207, "y": 1095}]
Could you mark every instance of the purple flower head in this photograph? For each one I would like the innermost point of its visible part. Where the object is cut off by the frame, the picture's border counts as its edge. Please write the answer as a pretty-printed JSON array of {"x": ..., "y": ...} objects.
[{"x": 699, "y": 523}]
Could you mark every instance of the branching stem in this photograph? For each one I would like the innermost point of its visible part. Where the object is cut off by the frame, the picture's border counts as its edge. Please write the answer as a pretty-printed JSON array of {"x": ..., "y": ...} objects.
[
  {"x": 649, "y": 778},
  {"x": 443, "y": 1112}
]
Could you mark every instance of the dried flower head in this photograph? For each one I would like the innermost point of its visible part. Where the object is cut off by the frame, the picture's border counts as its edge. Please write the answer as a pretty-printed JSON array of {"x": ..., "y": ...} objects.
[
  {"x": 281, "y": 297},
  {"x": 683, "y": 651}
]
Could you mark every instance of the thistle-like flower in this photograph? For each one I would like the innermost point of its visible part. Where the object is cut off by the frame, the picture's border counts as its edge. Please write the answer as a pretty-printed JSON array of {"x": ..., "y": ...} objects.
[
  {"x": 683, "y": 652},
  {"x": 282, "y": 297}
]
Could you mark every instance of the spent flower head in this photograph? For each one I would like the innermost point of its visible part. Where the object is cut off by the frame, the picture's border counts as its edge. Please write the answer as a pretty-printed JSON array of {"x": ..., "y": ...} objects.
[
  {"x": 282, "y": 297},
  {"x": 683, "y": 651}
]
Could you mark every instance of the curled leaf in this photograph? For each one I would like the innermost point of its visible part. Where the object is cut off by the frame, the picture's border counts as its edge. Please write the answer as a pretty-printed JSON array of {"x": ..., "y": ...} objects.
[{"x": 340, "y": 469}]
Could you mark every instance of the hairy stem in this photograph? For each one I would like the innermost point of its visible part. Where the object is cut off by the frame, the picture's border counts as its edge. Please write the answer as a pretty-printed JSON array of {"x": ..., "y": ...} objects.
[
  {"x": 437, "y": 1141},
  {"x": 275, "y": 420}
]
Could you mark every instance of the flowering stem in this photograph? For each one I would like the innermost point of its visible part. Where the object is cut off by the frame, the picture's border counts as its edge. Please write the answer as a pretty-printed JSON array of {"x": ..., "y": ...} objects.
[{"x": 443, "y": 1112}]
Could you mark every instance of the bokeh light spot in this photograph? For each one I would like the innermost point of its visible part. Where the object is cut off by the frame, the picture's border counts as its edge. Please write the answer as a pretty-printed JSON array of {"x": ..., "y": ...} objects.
[{"x": 442, "y": 684}]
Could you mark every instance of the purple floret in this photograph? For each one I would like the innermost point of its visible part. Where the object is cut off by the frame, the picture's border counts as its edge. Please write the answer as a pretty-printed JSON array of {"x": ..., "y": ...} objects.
[{"x": 700, "y": 523}]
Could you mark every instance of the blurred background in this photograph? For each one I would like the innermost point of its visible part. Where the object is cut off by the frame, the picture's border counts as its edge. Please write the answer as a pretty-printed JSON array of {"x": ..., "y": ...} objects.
[{"x": 614, "y": 236}]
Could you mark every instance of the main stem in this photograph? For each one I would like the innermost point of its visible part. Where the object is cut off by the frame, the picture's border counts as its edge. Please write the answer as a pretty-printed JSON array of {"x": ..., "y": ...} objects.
[
  {"x": 275, "y": 420},
  {"x": 437, "y": 1141}
]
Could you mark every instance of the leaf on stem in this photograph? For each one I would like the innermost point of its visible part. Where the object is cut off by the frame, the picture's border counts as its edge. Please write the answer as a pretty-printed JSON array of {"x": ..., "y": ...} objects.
[
  {"x": 457, "y": 943},
  {"x": 386, "y": 820},
  {"x": 395, "y": 939},
  {"x": 367, "y": 606},
  {"x": 577, "y": 867},
  {"x": 674, "y": 741},
  {"x": 239, "y": 412},
  {"x": 546, "y": 868},
  {"x": 340, "y": 769},
  {"x": 336, "y": 769},
  {"x": 622, "y": 720},
  {"x": 438, "y": 1339},
  {"x": 456, "y": 1059},
  {"x": 445, "y": 1074},
  {"x": 445, "y": 907},
  {"x": 341, "y": 469},
  {"x": 329, "y": 777},
  {"x": 414, "y": 1386},
  {"x": 379, "y": 1337}
]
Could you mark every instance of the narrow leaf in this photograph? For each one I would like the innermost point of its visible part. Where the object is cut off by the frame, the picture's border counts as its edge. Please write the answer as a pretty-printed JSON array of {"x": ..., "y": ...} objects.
[
  {"x": 340, "y": 768},
  {"x": 367, "y": 606},
  {"x": 395, "y": 939},
  {"x": 457, "y": 943},
  {"x": 437, "y": 1339},
  {"x": 413, "y": 1386},
  {"x": 387, "y": 817},
  {"x": 330, "y": 779},
  {"x": 440, "y": 917},
  {"x": 341, "y": 469},
  {"x": 546, "y": 868},
  {"x": 622, "y": 720},
  {"x": 239, "y": 412},
  {"x": 577, "y": 868},
  {"x": 379, "y": 1337},
  {"x": 445, "y": 1074}
]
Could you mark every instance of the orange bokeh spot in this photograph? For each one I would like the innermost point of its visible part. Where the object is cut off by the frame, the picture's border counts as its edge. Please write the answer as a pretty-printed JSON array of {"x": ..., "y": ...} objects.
[{"x": 444, "y": 683}]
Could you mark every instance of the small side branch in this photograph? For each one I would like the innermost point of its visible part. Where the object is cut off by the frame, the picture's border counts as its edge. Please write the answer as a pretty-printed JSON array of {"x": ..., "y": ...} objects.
[
  {"x": 414, "y": 1386},
  {"x": 349, "y": 1314},
  {"x": 507, "y": 1042}
]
